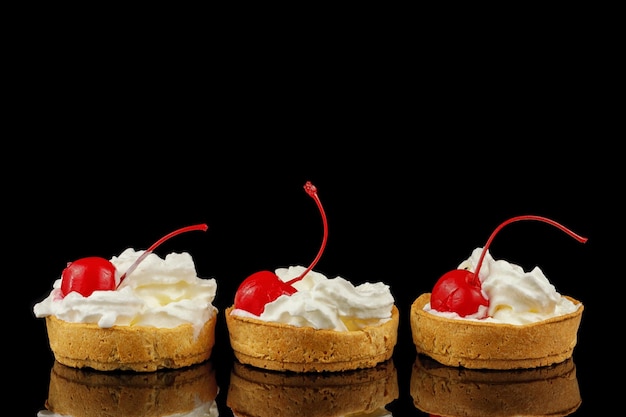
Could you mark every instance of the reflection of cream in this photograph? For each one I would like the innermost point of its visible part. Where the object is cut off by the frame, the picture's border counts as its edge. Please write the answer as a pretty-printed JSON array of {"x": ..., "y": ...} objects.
[
  {"x": 160, "y": 293},
  {"x": 323, "y": 303},
  {"x": 515, "y": 296},
  {"x": 202, "y": 410},
  {"x": 360, "y": 393},
  {"x": 377, "y": 413},
  {"x": 451, "y": 391},
  {"x": 188, "y": 392}
]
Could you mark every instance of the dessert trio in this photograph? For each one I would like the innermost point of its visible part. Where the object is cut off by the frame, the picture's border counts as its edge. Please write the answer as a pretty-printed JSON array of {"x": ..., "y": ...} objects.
[{"x": 140, "y": 312}]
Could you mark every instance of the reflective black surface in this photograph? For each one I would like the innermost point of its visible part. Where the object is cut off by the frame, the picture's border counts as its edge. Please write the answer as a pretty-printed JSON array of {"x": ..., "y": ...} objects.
[
  {"x": 404, "y": 225},
  {"x": 412, "y": 384}
]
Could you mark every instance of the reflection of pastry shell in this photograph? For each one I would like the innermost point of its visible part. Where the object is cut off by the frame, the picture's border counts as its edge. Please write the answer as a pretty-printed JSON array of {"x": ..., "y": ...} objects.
[
  {"x": 132, "y": 348},
  {"x": 87, "y": 393},
  {"x": 260, "y": 393},
  {"x": 484, "y": 345},
  {"x": 458, "y": 392},
  {"x": 282, "y": 347}
]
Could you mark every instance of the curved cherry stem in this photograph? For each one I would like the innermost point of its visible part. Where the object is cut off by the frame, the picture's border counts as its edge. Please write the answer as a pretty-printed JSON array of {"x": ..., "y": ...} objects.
[
  {"x": 514, "y": 219},
  {"x": 148, "y": 251},
  {"x": 311, "y": 190}
]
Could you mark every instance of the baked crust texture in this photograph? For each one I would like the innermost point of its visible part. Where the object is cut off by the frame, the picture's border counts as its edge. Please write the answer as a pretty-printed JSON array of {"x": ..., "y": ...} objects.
[
  {"x": 283, "y": 347},
  {"x": 484, "y": 345},
  {"x": 129, "y": 348}
]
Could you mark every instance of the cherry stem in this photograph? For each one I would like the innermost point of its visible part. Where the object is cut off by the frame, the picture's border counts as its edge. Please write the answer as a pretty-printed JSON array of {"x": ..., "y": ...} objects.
[
  {"x": 148, "y": 251},
  {"x": 311, "y": 190},
  {"x": 514, "y": 219}
]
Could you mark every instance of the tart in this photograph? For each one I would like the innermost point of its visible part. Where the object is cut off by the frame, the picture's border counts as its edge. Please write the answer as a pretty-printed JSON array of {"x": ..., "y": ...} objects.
[
  {"x": 86, "y": 393},
  {"x": 449, "y": 391},
  {"x": 261, "y": 393},
  {"x": 477, "y": 344},
  {"x": 158, "y": 314},
  {"x": 284, "y": 347},
  {"x": 296, "y": 319},
  {"x": 491, "y": 314}
]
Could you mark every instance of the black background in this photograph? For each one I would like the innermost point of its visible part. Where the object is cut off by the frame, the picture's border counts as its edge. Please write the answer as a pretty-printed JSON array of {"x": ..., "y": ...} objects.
[{"x": 416, "y": 163}]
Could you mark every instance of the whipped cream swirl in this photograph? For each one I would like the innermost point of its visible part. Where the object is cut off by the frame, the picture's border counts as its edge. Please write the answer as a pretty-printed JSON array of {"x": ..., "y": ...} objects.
[
  {"x": 323, "y": 303},
  {"x": 160, "y": 293},
  {"x": 515, "y": 296}
]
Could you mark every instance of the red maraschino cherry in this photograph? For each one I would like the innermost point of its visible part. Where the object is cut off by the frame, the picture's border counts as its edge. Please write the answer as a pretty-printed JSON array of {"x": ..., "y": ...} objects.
[
  {"x": 87, "y": 275},
  {"x": 460, "y": 290},
  {"x": 264, "y": 287},
  {"x": 93, "y": 273}
]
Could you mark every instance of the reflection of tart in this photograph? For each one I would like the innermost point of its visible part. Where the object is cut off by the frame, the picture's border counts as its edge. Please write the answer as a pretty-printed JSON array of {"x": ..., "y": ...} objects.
[
  {"x": 283, "y": 347},
  {"x": 455, "y": 392},
  {"x": 87, "y": 393},
  {"x": 254, "y": 392},
  {"x": 483, "y": 344}
]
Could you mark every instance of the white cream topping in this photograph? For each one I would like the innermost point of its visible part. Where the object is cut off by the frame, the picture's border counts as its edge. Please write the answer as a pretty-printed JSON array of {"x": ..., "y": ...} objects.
[
  {"x": 323, "y": 303},
  {"x": 159, "y": 292},
  {"x": 515, "y": 296}
]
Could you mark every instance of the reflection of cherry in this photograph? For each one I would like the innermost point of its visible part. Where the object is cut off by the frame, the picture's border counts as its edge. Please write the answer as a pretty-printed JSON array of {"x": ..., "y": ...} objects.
[
  {"x": 264, "y": 287},
  {"x": 460, "y": 290},
  {"x": 90, "y": 274}
]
